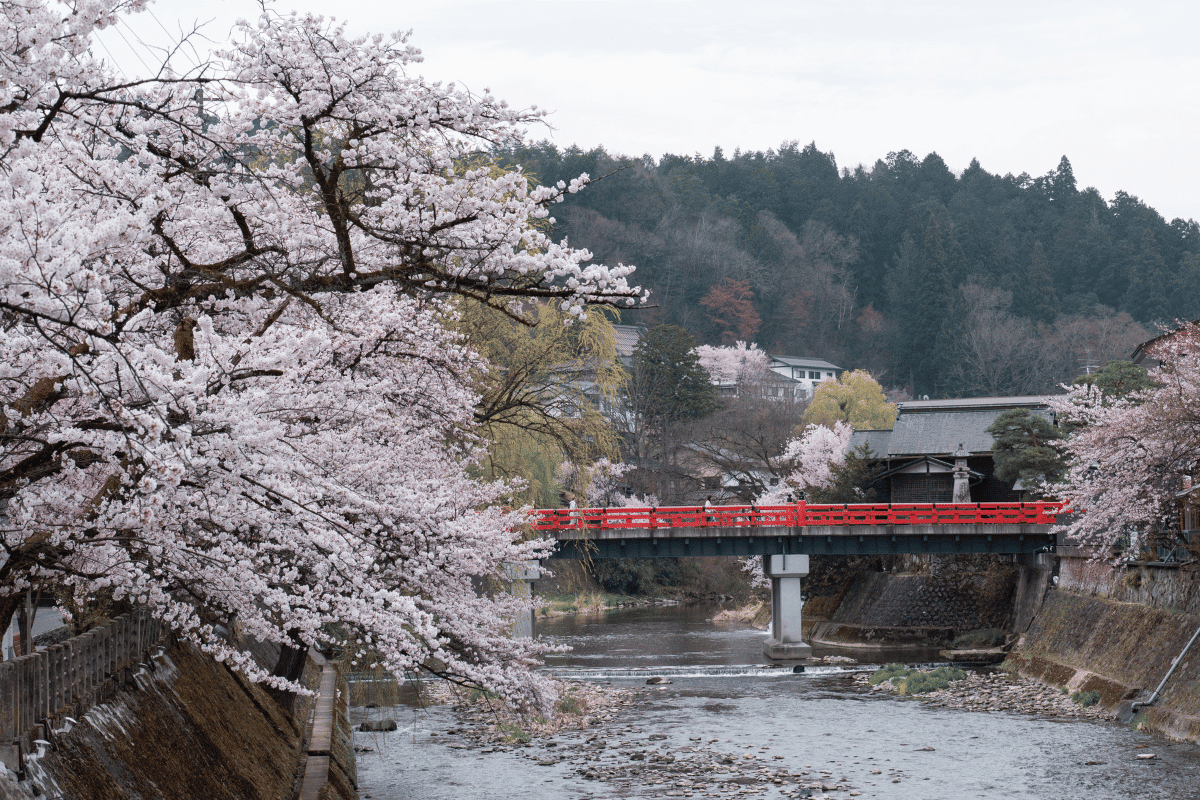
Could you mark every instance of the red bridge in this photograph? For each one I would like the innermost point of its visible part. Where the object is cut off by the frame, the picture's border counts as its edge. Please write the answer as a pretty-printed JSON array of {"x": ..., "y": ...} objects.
[{"x": 800, "y": 528}]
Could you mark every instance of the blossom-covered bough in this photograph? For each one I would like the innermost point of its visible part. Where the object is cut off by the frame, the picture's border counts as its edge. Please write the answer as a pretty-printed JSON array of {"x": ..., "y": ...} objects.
[
  {"x": 229, "y": 388},
  {"x": 1129, "y": 455},
  {"x": 813, "y": 455}
]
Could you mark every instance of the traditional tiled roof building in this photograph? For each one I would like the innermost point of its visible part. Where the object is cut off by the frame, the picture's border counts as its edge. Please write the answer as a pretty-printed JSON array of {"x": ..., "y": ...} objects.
[{"x": 920, "y": 451}]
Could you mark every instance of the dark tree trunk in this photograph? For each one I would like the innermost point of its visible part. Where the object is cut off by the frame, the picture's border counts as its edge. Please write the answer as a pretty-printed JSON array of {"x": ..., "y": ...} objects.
[{"x": 290, "y": 666}]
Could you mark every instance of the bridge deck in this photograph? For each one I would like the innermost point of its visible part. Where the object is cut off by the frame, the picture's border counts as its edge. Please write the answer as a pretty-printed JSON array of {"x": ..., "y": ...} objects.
[{"x": 801, "y": 529}]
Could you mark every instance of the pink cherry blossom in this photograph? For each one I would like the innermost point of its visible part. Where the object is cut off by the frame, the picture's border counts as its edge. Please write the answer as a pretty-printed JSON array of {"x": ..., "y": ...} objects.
[{"x": 229, "y": 384}]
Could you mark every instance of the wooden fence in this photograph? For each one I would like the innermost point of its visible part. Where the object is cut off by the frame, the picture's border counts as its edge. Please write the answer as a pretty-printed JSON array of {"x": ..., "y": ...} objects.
[{"x": 71, "y": 676}]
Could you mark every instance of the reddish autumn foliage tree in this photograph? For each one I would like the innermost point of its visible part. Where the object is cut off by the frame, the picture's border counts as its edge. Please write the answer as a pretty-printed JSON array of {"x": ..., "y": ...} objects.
[{"x": 731, "y": 305}]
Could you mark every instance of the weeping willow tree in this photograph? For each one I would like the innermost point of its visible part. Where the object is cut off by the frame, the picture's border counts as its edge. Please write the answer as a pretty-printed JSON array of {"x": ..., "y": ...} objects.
[{"x": 548, "y": 377}]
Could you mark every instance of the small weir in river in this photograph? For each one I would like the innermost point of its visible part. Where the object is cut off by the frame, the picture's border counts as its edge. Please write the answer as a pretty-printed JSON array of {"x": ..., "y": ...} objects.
[{"x": 728, "y": 725}]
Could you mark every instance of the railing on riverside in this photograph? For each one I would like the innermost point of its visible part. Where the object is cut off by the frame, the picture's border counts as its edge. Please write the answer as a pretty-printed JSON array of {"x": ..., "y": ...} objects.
[
  {"x": 71, "y": 676},
  {"x": 796, "y": 515}
]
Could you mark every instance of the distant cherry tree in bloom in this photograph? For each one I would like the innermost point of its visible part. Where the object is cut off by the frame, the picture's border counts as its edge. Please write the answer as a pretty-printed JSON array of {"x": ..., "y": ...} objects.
[
  {"x": 595, "y": 485},
  {"x": 740, "y": 363},
  {"x": 228, "y": 386},
  {"x": 813, "y": 456},
  {"x": 1129, "y": 455}
]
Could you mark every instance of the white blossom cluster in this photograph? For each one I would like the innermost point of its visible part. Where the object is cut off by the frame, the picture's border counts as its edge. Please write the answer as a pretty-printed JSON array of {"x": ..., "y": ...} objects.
[
  {"x": 813, "y": 455},
  {"x": 738, "y": 364},
  {"x": 228, "y": 389}
]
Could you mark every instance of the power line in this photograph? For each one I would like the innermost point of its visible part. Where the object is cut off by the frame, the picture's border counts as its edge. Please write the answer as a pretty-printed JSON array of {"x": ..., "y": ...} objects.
[
  {"x": 170, "y": 37},
  {"x": 154, "y": 52},
  {"x": 96, "y": 36},
  {"x": 135, "y": 52}
]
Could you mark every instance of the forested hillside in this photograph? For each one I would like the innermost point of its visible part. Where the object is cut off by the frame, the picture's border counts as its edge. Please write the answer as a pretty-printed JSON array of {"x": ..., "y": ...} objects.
[{"x": 940, "y": 284}]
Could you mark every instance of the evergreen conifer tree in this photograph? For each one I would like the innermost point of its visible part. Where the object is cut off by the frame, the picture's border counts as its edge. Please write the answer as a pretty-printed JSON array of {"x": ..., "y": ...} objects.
[{"x": 1023, "y": 448}]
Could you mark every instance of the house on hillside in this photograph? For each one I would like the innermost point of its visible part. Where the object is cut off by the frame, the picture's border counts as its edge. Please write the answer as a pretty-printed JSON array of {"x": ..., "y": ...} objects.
[
  {"x": 786, "y": 378},
  {"x": 919, "y": 454},
  {"x": 769, "y": 386},
  {"x": 805, "y": 373}
]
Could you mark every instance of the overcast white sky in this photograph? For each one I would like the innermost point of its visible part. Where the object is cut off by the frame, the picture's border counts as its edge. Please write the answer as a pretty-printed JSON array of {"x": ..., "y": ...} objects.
[{"x": 1111, "y": 85}]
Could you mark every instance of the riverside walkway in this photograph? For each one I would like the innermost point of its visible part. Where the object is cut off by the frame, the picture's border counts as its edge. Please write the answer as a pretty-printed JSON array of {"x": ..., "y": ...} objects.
[{"x": 800, "y": 528}]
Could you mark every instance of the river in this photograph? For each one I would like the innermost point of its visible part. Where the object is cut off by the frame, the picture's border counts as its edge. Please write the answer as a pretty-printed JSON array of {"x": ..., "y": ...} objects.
[{"x": 739, "y": 724}]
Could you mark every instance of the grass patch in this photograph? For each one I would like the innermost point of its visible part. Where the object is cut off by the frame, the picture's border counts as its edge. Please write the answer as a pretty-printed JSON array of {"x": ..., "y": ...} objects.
[
  {"x": 513, "y": 734},
  {"x": 889, "y": 672},
  {"x": 911, "y": 681},
  {"x": 568, "y": 704},
  {"x": 475, "y": 695},
  {"x": 1086, "y": 699}
]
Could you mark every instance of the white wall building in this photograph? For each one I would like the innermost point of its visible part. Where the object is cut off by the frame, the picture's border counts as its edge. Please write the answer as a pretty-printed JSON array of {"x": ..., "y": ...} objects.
[{"x": 807, "y": 372}]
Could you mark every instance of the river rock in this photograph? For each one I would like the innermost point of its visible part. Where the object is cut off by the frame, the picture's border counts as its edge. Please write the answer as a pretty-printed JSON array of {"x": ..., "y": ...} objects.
[
  {"x": 657, "y": 680},
  {"x": 378, "y": 725}
]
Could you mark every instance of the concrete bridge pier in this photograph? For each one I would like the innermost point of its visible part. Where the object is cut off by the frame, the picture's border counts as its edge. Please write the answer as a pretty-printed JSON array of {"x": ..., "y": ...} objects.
[
  {"x": 785, "y": 573},
  {"x": 521, "y": 577}
]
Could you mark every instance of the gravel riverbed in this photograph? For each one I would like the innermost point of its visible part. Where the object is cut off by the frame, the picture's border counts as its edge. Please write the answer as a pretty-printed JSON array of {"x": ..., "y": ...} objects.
[
  {"x": 998, "y": 692},
  {"x": 592, "y": 742},
  {"x": 596, "y": 740}
]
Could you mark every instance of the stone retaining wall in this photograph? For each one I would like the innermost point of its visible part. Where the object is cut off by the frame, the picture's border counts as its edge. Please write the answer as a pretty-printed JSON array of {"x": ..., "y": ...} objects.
[
  {"x": 959, "y": 600},
  {"x": 1173, "y": 586},
  {"x": 936, "y": 599}
]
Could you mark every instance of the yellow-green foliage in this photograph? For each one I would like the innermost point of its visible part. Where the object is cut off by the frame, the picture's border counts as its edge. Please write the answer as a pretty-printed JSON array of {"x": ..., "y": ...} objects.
[
  {"x": 855, "y": 397},
  {"x": 545, "y": 372}
]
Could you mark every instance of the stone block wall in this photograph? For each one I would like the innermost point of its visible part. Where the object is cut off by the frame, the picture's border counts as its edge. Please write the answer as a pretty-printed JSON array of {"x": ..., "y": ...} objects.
[
  {"x": 961, "y": 600},
  {"x": 1170, "y": 587}
]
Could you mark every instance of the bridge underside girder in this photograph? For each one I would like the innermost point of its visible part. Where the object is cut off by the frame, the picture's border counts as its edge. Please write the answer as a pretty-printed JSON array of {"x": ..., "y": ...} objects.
[{"x": 842, "y": 541}]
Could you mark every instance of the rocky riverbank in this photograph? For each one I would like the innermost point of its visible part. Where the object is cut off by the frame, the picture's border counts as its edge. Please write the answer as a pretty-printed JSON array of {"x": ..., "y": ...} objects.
[
  {"x": 589, "y": 736},
  {"x": 756, "y": 613},
  {"x": 486, "y": 721},
  {"x": 999, "y": 692}
]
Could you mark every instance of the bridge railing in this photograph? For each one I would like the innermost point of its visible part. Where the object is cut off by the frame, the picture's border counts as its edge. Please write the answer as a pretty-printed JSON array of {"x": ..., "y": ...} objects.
[{"x": 795, "y": 515}]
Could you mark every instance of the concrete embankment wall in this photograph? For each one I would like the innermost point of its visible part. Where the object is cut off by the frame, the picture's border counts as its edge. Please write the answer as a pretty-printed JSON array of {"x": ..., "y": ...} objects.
[
  {"x": 1121, "y": 650},
  {"x": 184, "y": 726},
  {"x": 1117, "y": 631}
]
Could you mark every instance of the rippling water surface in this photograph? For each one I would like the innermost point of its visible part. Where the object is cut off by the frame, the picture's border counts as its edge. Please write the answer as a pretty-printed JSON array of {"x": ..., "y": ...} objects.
[{"x": 819, "y": 720}]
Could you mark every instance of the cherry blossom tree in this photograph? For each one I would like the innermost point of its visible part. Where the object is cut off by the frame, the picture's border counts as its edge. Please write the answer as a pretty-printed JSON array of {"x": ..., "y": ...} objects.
[
  {"x": 738, "y": 364},
  {"x": 1129, "y": 453},
  {"x": 229, "y": 386},
  {"x": 814, "y": 455},
  {"x": 595, "y": 485}
]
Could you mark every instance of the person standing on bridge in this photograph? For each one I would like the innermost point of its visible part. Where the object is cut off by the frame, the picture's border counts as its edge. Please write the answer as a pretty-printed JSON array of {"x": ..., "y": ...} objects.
[{"x": 708, "y": 518}]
